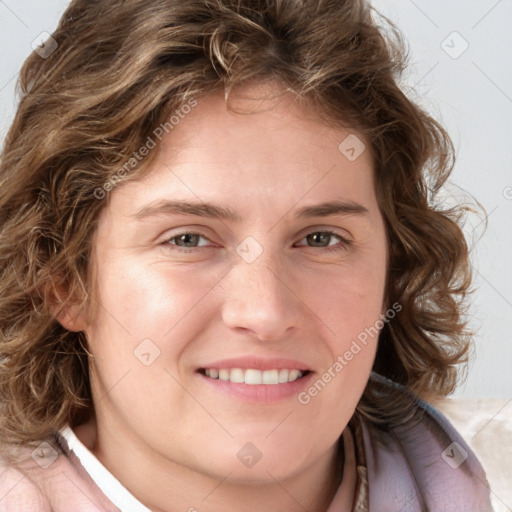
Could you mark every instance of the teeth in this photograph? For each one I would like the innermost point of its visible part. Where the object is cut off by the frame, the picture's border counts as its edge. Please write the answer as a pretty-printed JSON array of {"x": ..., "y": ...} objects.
[
  {"x": 252, "y": 376},
  {"x": 237, "y": 375}
]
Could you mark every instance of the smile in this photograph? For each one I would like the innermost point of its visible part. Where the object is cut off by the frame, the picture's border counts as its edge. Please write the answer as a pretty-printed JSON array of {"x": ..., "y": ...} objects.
[{"x": 253, "y": 376}]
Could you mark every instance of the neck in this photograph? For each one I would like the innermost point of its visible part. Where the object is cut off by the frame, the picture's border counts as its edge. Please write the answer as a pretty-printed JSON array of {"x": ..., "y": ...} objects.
[{"x": 164, "y": 486}]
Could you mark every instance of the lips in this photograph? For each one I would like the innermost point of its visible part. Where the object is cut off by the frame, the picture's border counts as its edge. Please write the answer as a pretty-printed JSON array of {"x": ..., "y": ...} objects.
[{"x": 257, "y": 363}]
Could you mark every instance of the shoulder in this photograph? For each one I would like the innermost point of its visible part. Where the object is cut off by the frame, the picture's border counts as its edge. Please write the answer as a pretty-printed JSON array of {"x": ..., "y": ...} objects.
[
  {"x": 17, "y": 492},
  {"x": 423, "y": 464},
  {"x": 48, "y": 478}
]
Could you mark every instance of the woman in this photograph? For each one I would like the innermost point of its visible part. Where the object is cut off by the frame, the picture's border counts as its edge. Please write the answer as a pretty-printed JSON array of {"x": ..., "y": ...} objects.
[{"x": 224, "y": 282}]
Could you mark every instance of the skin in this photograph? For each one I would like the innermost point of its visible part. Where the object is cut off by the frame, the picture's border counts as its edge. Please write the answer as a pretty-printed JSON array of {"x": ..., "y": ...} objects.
[{"x": 161, "y": 424}]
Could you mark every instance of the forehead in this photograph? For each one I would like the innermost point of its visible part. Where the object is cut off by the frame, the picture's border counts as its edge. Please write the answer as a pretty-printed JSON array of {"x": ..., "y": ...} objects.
[
  {"x": 278, "y": 154},
  {"x": 261, "y": 122}
]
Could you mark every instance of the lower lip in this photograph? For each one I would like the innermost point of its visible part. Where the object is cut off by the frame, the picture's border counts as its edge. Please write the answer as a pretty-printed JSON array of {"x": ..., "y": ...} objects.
[{"x": 260, "y": 393}]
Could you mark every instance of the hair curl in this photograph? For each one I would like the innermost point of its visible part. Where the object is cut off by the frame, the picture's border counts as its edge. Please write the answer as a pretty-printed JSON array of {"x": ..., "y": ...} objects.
[{"x": 119, "y": 70}]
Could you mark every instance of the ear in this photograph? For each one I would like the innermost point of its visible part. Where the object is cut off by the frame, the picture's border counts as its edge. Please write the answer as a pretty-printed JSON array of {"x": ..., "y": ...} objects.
[
  {"x": 65, "y": 310},
  {"x": 72, "y": 319}
]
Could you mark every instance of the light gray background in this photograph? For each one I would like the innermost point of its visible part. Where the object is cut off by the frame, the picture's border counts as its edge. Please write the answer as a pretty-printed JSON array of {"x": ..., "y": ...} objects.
[{"x": 469, "y": 91}]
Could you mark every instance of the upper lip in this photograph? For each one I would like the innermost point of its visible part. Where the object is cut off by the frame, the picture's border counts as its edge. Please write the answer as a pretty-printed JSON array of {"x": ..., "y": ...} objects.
[{"x": 257, "y": 363}]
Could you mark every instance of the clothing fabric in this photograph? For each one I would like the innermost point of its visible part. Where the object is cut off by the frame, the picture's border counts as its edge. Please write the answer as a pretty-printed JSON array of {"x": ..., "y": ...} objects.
[
  {"x": 108, "y": 484},
  {"x": 423, "y": 465}
]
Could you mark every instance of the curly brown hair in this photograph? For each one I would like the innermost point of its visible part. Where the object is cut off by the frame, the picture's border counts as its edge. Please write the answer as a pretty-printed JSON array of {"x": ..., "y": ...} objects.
[{"x": 119, "y": 70}]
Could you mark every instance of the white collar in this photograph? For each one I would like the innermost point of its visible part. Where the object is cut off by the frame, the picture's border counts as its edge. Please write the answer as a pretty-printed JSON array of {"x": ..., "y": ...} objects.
[{"x": 109, "y": 485}]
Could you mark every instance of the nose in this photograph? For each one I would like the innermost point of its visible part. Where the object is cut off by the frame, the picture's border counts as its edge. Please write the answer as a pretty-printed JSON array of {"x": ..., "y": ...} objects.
[{"x": 260, "y": 300}]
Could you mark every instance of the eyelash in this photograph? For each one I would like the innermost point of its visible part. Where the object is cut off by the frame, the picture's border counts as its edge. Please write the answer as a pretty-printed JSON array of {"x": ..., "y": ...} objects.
[{"x": 343, "y": 247}]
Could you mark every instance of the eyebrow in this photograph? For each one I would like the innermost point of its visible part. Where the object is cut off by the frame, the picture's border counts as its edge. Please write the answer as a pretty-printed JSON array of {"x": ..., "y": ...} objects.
[{"x": 210, "y": 210}]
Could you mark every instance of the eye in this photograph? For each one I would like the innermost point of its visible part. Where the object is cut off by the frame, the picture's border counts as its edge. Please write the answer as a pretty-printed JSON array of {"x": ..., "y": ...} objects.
[
  {"x": 189, "y": 242},
  {"x": 188, "y": 239},
  {"x": 321, "y": 239}
]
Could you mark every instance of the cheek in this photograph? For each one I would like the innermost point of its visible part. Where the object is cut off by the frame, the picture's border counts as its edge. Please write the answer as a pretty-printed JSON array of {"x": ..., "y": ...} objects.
[
  {"x": 351, "y": 323},
  {"x": 138, "y": 333},
  {"x": 137, "y": 302},
  {"x": 352, "y": 306},
  {"x": 146, "y": 299},
  {"x": 351, "y": 297}
]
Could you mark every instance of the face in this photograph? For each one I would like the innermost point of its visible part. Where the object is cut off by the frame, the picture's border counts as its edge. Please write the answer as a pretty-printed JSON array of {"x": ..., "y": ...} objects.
[{"x": 258, "y": 284}]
